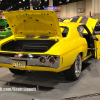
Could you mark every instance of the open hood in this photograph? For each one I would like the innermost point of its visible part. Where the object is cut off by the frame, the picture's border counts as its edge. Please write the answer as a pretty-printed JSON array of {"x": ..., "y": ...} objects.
[{"x": 33, "y": 23}]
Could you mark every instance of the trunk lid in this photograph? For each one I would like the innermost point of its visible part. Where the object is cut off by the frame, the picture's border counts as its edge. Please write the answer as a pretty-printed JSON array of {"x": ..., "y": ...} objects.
[{"x": 33, "y": 23}]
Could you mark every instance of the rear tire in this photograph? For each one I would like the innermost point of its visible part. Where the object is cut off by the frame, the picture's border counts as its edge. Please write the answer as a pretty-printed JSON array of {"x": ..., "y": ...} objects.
[
  {"x": 74, "y": 72},
  {"x": 17, "y": 72}
]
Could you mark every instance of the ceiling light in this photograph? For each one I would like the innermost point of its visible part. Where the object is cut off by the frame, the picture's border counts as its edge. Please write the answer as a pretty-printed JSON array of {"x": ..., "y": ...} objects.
[
  {"x": 19, "y": 1},
  {"x": 45, "y": 0},
  {"x": 27, "y": 6},
  {"x": 35, "y": 8},
  {"x": 60, "y": 2},
  {"x": 0, "y": 0},
  {"x": 23, "y": 0},
  {"x": 67, "y": 0}
]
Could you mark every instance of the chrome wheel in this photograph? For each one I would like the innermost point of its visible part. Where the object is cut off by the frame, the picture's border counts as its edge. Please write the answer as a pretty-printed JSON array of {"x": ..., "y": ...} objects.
[
  {"x": 74, "y": 72},
  {"x": 78, "y": 66}
]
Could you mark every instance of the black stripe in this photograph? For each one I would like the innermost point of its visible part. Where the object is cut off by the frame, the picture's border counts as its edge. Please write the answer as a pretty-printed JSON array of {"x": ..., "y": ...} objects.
[
  {"x": 74, "y": 20},
  {"x": 84, "y": 20}
]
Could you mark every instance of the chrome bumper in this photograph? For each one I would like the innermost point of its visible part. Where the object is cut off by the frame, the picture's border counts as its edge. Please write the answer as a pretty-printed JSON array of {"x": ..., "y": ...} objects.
[{"x": 32, "y": 60}]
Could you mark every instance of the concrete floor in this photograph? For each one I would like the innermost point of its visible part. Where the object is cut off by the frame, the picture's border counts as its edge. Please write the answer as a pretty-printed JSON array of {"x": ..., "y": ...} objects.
[{"x": 83, "y": 89}]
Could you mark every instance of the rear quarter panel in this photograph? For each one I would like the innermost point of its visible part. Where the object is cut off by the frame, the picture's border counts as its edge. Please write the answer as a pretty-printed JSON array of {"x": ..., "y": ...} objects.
[{"x": 70, "y": 47}]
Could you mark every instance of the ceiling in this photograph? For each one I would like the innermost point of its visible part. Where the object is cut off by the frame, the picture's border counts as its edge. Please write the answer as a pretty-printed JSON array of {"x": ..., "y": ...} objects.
[{"x": 24, "y": 4}]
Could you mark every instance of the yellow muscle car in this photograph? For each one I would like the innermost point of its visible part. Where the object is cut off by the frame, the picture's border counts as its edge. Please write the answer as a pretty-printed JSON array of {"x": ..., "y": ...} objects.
[{"x": 41, "y": 43}]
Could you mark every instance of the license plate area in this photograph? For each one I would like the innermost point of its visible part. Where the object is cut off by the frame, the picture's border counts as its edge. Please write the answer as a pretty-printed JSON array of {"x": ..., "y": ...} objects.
[{"x": 19, "y": 64}]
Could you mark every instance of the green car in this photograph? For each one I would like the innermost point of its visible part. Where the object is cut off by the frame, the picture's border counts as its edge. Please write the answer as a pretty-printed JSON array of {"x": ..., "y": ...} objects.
[{"x": 5, "y": 30}]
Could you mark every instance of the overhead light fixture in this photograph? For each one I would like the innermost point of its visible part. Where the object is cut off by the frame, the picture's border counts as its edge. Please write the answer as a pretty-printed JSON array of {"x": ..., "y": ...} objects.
[
  {"x": 60, "y": 2},
  {"x": 67, "y": 0},
  {"x": 45, "y": 0},
  {"x": 27, "y": 6},
  {"x": 0, "y": 0},
  {"x": 23, "y": 0},
  {"x": 35, "y": 8},
  {"x": 8, "y": 8},
  {"x": 11, "y": 6},
  {"x": 19, "y": 1}
]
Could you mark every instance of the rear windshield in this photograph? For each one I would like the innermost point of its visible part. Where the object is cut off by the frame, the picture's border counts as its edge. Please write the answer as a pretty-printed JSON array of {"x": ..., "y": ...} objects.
[
  {"x": 64, "y": 30},
  {"x": 2, "y": 27}
]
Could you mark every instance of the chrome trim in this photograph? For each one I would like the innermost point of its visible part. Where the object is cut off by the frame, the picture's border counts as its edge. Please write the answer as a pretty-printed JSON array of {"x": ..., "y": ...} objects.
[
  {"x": 32, "y": 61},
  {"x": 78, "y": 66}
]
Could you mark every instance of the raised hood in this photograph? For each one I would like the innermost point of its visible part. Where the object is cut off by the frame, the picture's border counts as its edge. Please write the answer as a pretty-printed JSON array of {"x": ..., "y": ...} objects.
[{"x": 33, "y": 23}]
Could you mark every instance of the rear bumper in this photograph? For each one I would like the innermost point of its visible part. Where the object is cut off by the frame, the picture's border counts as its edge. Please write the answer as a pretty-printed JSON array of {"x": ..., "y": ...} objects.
[{"x": 32, "y": 62}]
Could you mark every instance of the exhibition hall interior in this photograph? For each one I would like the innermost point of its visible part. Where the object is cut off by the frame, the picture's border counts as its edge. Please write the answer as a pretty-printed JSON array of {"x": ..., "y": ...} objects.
[{"x": 49, "y": 50}]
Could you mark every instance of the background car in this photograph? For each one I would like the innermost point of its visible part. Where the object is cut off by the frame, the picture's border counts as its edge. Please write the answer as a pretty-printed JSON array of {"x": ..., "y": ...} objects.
[
  {"x": 5, "y": 30},
  {"x": 60, "y": 20}
]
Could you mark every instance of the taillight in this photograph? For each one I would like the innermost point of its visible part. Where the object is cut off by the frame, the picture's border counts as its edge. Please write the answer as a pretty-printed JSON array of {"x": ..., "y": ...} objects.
[
  {"x": 42, "y": 60},
  {"x": 4, "y": 30},
  {"x": 1, "y": 30},
  {"x": 52, "y": 60}
]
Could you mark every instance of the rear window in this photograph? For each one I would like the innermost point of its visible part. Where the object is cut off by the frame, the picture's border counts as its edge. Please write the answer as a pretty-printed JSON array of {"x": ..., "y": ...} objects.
[
  {"x": 2, "y": 27},
  {"x": 64, "y": 30}
]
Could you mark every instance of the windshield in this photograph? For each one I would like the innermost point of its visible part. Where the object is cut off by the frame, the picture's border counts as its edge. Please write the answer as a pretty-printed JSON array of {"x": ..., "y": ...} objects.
[{"x": 64, "y": 30}]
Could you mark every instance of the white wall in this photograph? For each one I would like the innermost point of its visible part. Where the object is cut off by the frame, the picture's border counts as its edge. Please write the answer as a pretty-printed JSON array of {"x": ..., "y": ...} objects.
[
  {"x": 96, "y": 9},
  {"x": 63, "y": 12},
  {"x": 71, "y": 10},
  {"x": 88, "y": 7}
]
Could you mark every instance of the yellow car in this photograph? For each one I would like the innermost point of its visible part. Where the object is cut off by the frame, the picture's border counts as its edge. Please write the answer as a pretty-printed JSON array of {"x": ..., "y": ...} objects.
[{"x": 41, "y": 43}]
